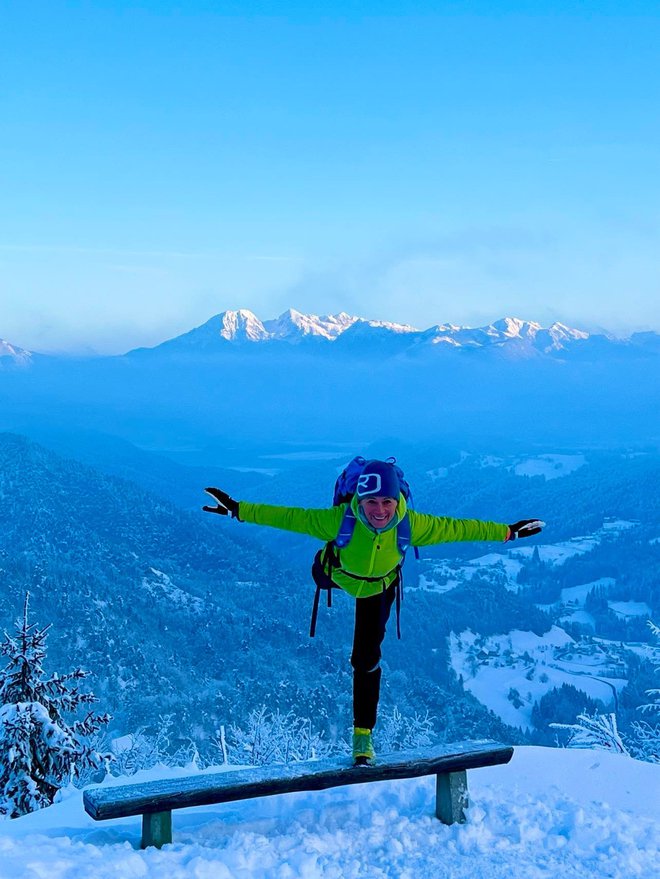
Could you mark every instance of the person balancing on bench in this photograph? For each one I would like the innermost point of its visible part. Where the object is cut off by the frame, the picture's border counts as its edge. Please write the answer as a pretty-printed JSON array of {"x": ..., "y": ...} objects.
[{"x": 367, "y": 532}]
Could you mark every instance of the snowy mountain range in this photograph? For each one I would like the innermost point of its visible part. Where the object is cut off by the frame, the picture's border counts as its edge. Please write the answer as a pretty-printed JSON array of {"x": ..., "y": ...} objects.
[
  {"x": 292, "y": 326},
  {"x": 508, "y": 338},
  {"x": 242, "y": 327},
  {"x": 236, "y": 374}
]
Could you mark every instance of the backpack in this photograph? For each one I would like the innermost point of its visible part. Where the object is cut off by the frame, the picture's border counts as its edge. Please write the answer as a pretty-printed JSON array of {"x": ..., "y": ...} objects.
[{"x": 328, "y": 558}]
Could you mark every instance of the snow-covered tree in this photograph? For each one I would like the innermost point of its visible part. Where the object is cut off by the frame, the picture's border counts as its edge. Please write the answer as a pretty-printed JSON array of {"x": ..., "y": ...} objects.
[
  {"x": 645, "y": 742},
  {"x": 597, "y": 731},
  {"x": 40, "y": 751},
  {"x": 653, "y": 707}
]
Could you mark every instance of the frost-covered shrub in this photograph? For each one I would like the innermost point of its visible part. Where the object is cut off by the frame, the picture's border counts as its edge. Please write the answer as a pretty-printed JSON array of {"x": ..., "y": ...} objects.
[
  {"x": 273, "y": 737},
  {"x": 40, "y": 751},
  {"x": 396, "y": 732},
  {"x": 597, "y": 731},
  {"x": 644, "y": 743},
  {"x": 142, "y": 750}
]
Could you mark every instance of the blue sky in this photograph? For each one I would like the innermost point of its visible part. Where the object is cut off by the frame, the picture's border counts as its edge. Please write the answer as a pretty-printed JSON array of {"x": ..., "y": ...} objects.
[{"x": 416, "y": 162}]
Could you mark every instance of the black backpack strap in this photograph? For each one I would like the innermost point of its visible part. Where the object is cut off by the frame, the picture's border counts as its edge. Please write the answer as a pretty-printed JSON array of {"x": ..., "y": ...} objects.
[
  {"x": 328, "y": 558},
  {"x": 315, "y": 612},
  {"x": 324, "y": 560}
]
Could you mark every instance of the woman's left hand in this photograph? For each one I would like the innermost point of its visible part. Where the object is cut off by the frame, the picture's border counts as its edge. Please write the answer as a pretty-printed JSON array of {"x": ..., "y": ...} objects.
[{"x": 524, "y": 528}]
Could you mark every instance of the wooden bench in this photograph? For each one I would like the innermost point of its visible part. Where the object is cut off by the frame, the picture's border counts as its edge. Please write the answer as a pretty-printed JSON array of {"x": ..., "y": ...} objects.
[{"x": 155, "y": 800}]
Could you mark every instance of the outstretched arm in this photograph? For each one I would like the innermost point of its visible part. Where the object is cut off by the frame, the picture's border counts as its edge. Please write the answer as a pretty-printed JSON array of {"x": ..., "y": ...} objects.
[
  {"x": 323, "y": 523},
  {"x": 427, "y": 530}
]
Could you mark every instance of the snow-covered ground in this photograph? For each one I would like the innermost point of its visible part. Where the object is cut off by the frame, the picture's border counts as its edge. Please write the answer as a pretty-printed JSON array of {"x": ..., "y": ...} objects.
[
  {"x": 161, "y": 587},
  {"x": 630, "y": 608},
  {"x": 525, "y": 663},
  {"x": 531, "y": 665},
  {"x": 576, "y": 596},
  {"x": 446, "y": 574},
  {"x": 580, "y": 618},
  {"x": 558, "y": 553},
  {"x": 549, "y": 466},
  {"x": 547, "y": 814}
]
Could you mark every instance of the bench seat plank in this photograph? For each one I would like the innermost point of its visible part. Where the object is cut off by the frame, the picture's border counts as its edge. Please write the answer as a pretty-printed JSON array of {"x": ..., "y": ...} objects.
[{"x": 260, "y": 781}]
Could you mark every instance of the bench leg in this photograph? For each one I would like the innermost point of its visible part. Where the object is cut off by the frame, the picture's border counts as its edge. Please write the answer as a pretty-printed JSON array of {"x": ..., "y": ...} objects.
[
  {"x": 156, "y": 829},
  {"x": 451, "y": 797}
]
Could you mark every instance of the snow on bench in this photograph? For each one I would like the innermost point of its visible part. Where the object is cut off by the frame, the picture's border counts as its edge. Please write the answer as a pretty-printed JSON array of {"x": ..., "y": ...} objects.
[{"x": 155, "y": 800}]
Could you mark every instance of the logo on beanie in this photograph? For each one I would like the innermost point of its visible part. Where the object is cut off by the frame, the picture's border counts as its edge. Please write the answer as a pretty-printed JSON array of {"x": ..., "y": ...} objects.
[{"x": 369, "y": 483}]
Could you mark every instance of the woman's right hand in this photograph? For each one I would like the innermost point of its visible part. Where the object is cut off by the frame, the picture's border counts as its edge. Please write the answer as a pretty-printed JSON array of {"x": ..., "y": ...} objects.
[{"x": 226, "y": 505}]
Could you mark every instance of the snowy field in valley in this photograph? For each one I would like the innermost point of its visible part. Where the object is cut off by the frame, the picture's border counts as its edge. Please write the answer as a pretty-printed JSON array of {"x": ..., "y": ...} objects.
[
  {"x": 531, "y": 665},
  {"x": 550, "y": 466},
  {"x": 446, "y": 574},
  {"x": 558, "y": 553},
  {"x": 576, "y": 596},
  {"x": 549, "y": 813}
]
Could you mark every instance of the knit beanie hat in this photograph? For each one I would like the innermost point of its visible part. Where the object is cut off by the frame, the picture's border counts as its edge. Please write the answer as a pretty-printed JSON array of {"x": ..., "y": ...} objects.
[{"x": 378, "y": 478}]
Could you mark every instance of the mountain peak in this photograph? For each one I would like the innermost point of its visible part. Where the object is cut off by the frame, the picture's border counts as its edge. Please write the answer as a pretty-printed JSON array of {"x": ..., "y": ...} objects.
[
  {"x": 14, "y": 355},
  {"x": 388, "y": 326},
  {"x": 515, "y": 327},
  {"x": 293, "y": 325},
  {"x": 518, "y": 337},
  {"x": 241, "y": 326}
]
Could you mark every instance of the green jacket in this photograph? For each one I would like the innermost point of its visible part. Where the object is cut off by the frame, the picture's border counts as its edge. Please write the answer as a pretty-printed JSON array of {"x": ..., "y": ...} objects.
[{"x": 370, "y": 553}]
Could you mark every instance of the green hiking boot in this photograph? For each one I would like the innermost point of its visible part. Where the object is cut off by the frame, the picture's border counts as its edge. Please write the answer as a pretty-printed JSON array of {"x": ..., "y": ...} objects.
[{"x": 363, "y": 747}]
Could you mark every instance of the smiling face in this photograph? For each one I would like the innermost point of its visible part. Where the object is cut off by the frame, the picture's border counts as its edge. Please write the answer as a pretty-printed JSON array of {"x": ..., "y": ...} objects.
[{"x": 379, "y": 510}]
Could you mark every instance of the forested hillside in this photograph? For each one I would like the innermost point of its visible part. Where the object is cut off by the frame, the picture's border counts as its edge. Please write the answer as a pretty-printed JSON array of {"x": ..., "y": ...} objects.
[
  {"x": 177, "y": 612},
  {"x": 174, "y": 612}
]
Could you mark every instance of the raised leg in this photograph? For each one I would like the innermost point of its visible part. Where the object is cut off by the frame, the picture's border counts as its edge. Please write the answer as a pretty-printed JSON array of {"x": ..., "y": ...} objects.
[
  {"x": 156, "y": 829},
  {"x": 451, "y": 797}
]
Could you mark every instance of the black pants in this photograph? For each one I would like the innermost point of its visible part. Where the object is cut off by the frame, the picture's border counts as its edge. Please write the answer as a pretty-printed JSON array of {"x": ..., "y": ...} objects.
[{"x": 371, "y": 616}]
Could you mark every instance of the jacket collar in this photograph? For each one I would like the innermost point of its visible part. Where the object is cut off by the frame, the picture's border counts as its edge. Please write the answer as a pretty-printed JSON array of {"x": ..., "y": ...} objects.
[{"x": 401, "y": 509}]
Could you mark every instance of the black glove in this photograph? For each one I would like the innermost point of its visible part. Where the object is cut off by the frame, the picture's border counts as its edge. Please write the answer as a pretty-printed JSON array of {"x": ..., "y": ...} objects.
[
  {"x": 226, "y": 506},
  {"x": 525, "y": 528}
]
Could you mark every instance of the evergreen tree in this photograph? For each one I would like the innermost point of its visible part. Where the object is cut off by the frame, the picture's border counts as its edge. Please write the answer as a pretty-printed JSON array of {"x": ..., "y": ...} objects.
[
  {"x": 562, "y": 705},
  {"x": 40, "y": 751}
]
